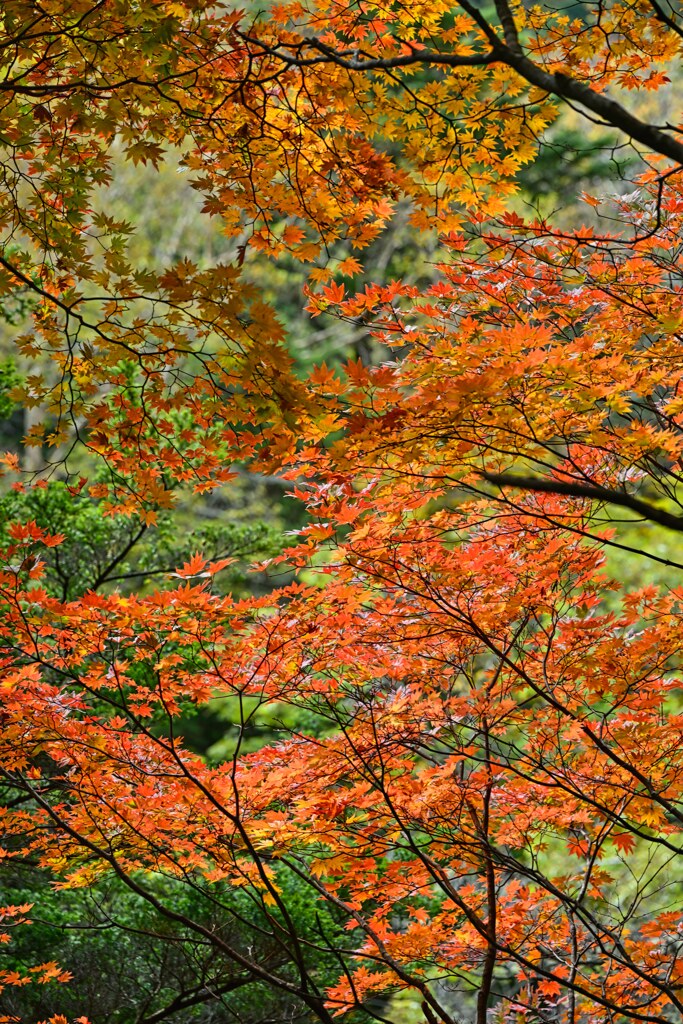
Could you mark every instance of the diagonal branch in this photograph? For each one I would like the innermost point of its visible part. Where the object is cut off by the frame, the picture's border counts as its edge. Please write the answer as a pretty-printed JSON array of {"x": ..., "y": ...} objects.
[
  {"x": 592, "y": 492},
  {"x": 202, "y": 994},
  {"x": 508, "y": 51}
]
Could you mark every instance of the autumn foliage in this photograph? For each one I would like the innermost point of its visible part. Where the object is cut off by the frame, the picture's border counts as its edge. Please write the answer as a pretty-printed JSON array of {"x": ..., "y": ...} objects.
[{"x": 491, "y": 794}]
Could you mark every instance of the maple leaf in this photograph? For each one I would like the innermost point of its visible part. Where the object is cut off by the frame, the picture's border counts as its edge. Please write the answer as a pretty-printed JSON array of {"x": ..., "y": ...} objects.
[
  {"x": 334, "y": 292},
  {"x": 624, "y": 842},
  {"x": 349, "y": 267},
  {"x": 466, "y": 700}
]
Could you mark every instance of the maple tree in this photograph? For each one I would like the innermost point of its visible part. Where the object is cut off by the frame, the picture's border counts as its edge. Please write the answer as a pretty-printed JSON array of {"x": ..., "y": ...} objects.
[{"x": 483, "y": 792}]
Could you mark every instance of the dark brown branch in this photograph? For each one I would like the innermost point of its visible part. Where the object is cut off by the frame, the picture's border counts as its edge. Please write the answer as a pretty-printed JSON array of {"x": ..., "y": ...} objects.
[
  {"x": 664, "y": 18},
  {"x": 592, "y": 492},
  {"x": 508, "y": 52},
  {"x": 202, "y": 994}
]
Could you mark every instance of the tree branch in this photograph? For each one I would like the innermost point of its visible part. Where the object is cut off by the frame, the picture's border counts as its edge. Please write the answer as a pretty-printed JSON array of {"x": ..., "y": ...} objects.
[
  {"x": 592, "y": 492},
  {"x": 200, "y": 995},
  {"x": 508, "y": 52}
]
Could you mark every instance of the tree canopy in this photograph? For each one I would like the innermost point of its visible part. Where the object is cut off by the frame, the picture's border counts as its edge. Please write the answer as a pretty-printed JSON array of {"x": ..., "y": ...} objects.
[{"x": 448, "y": 762}]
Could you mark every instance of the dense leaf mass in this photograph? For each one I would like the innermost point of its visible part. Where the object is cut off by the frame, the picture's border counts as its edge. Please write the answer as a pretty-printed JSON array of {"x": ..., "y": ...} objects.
[{"x": 448, "y": 762}]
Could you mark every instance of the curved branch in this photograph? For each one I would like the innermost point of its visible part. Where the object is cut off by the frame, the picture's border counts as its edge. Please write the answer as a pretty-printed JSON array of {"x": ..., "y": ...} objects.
[{"x": 508, "y": 51}]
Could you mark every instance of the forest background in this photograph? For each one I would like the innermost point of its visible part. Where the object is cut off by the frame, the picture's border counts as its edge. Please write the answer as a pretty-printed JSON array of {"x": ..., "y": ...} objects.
[{"x": 341, "y": 622}]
